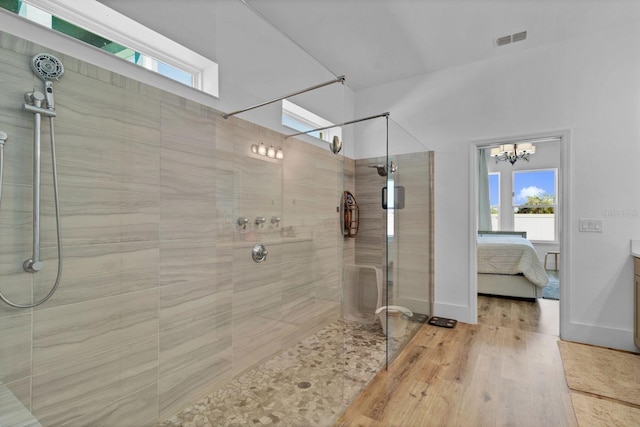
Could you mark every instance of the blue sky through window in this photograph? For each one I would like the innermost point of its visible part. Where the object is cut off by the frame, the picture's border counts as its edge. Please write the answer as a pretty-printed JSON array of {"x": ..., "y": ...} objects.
[
  {"x": 175, "y": 74},
  {"x": 293, "y": 124},
  {"x": 494, "y": 189},
  {"x": 532, "y": 183}
]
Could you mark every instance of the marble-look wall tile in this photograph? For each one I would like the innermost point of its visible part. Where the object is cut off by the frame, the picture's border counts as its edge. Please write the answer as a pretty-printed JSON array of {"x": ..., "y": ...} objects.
[
  {"x": 189, "y": 128},
  {"x": 195, "y": 341},
  {"x": 93, "y": 216},
  {"x": 299, "y": 184},
  {"x": 186, "y": 260},
  {"x": 14, "y": 412},
  {"x": 15, "y": 334},
  {"x": 224, "y": 134},
  {"x": 297, "y": 264},
  {"x": 102, "y": 159},
  {"x": 187, "y": 216},
  {"x": 256, "y": 338},
  {"x": 98, "y": 271},
  {"x": 349, "y": 184},
  {"x": 89, "y": 354},
  {"x": 139, "y": 408},
  {"x": 106, "y": 137},
  {"x": 258, "y": 187},
  {"x": 15, "y": 236},
  {"x": 414, "y": 275},
  {"x": 21, "y": 390},
  {"x": 370, "y": 245}
]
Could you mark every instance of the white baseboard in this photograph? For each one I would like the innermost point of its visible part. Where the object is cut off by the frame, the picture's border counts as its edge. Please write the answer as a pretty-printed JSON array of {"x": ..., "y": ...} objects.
[{"x": 619, "y": 339}]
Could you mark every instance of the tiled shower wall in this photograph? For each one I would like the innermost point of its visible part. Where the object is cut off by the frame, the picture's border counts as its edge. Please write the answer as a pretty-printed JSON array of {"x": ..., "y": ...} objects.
[
  {"x": 410, "y": 254},
  {"x": 160, "y": 301}
]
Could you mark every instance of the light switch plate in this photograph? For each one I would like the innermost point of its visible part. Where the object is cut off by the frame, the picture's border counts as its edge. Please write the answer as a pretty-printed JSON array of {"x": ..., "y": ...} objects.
[{"x": 587, "y": 225}]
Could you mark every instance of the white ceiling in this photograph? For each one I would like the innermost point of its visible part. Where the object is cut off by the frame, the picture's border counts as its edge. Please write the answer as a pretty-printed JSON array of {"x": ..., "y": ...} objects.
[{"x": 374, "y": 42}]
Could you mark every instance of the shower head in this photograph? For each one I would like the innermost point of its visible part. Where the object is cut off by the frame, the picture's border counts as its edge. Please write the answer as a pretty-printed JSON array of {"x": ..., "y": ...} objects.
[
  {"x": 382, "y": 169},
  {"x": 47, "y": 67}
]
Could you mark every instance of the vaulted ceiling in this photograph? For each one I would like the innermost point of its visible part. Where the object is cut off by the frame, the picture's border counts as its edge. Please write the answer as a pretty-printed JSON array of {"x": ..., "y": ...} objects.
[{"x": 377, "y": 41}]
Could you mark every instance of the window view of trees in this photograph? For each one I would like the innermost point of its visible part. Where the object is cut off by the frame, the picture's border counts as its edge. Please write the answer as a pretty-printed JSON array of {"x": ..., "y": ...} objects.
[
  {"x": 542, "y": 203},
  {"x": 534, "y": 204}
]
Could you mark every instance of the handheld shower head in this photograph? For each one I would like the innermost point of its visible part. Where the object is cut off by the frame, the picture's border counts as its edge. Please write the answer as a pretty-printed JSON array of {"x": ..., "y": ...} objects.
[{"x": 47, "y": 67}]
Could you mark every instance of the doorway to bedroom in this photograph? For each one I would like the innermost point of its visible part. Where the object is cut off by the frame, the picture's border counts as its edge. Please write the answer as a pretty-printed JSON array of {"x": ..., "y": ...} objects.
[{"x": 518, "y": 217}]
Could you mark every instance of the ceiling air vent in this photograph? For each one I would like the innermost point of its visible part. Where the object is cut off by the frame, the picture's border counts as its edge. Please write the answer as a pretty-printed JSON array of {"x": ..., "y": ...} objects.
[
  {"x": 518, "y": 37},
  {"x": 501, "y": 41}
]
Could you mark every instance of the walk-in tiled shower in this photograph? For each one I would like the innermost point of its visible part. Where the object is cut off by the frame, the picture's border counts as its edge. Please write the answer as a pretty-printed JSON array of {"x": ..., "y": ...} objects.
[{"x": 161, "y": 304}]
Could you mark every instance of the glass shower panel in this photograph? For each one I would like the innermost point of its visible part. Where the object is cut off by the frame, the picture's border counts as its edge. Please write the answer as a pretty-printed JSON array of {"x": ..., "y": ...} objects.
[
  {"x": 407, "y": 200},
  {"x": 177, "y": 190},
  {"x": 287, "y": 308}
]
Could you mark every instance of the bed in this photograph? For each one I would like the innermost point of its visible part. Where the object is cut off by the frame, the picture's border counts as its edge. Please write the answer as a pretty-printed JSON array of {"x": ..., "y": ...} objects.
[{"x": 508, "y": 265}]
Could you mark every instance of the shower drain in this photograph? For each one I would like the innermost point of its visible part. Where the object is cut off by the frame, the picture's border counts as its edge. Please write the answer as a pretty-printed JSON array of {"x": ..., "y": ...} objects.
[{"x": 304, "y": 384}]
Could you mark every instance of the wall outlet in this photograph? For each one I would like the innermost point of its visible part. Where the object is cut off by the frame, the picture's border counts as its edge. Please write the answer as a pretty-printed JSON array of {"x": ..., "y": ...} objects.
[{"x": 590, "y": 225}]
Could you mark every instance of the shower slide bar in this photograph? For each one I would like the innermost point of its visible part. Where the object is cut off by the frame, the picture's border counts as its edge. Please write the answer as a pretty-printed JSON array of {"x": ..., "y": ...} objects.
[
  {"x": 33, "y": 264},
  {"x": 340, "y": 79},
  {"x": 48, "y": 68},
  {"x": 350, "y": 122}
]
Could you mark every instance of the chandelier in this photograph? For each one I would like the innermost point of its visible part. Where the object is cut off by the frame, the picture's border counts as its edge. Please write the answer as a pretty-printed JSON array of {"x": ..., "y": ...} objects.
[{"x": 513, "y": 152}]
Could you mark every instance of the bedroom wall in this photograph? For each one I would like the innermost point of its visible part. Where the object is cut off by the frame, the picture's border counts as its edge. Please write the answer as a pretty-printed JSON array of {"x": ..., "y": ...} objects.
[{"x": 589, "y": 86}]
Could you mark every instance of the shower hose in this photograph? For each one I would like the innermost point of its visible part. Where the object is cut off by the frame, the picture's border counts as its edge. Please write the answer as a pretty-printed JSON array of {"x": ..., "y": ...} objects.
[{"x": 57, "y": 206}]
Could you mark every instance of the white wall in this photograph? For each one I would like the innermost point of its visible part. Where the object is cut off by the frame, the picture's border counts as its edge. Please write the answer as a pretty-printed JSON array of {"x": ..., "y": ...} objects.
[{"x": 590, "y": 86}]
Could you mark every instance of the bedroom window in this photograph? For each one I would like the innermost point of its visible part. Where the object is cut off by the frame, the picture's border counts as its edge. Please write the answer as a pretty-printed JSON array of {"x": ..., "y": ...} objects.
[
  {"x": 494, "y": 199},
  {"x": 535, "y": 204}
]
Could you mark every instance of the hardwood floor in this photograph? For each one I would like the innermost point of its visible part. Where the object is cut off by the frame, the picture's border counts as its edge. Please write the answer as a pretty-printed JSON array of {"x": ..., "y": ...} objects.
[{"x": 504, "y": 371}]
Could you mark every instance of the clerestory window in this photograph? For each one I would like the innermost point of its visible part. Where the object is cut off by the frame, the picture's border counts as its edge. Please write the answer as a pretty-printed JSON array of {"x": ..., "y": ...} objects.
[
  {"x": 302, "y": 120},
  {"x": 122, "y": 37}
]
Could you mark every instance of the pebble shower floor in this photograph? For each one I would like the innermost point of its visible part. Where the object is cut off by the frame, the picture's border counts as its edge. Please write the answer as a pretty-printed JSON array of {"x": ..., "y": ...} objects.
[{"x": 309, "y": 384}]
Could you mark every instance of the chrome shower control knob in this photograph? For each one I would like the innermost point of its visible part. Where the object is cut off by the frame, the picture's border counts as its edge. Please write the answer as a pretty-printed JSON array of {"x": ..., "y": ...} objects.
[{"x": 259, "y": 252}]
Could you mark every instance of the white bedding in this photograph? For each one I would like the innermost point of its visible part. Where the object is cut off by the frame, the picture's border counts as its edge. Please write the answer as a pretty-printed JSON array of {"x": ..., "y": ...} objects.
[{"x": 510, "y": 255}]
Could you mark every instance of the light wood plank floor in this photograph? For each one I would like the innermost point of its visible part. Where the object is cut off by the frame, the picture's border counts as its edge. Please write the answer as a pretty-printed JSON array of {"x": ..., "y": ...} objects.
[{"x": 504, "y": 371}]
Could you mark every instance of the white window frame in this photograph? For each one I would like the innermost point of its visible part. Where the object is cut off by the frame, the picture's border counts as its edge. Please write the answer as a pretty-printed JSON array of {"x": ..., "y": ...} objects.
[
  {"x": 555, "y": 205},
  {"x": 305, "y": 117},
  {"x": 106, "y": 22}
]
